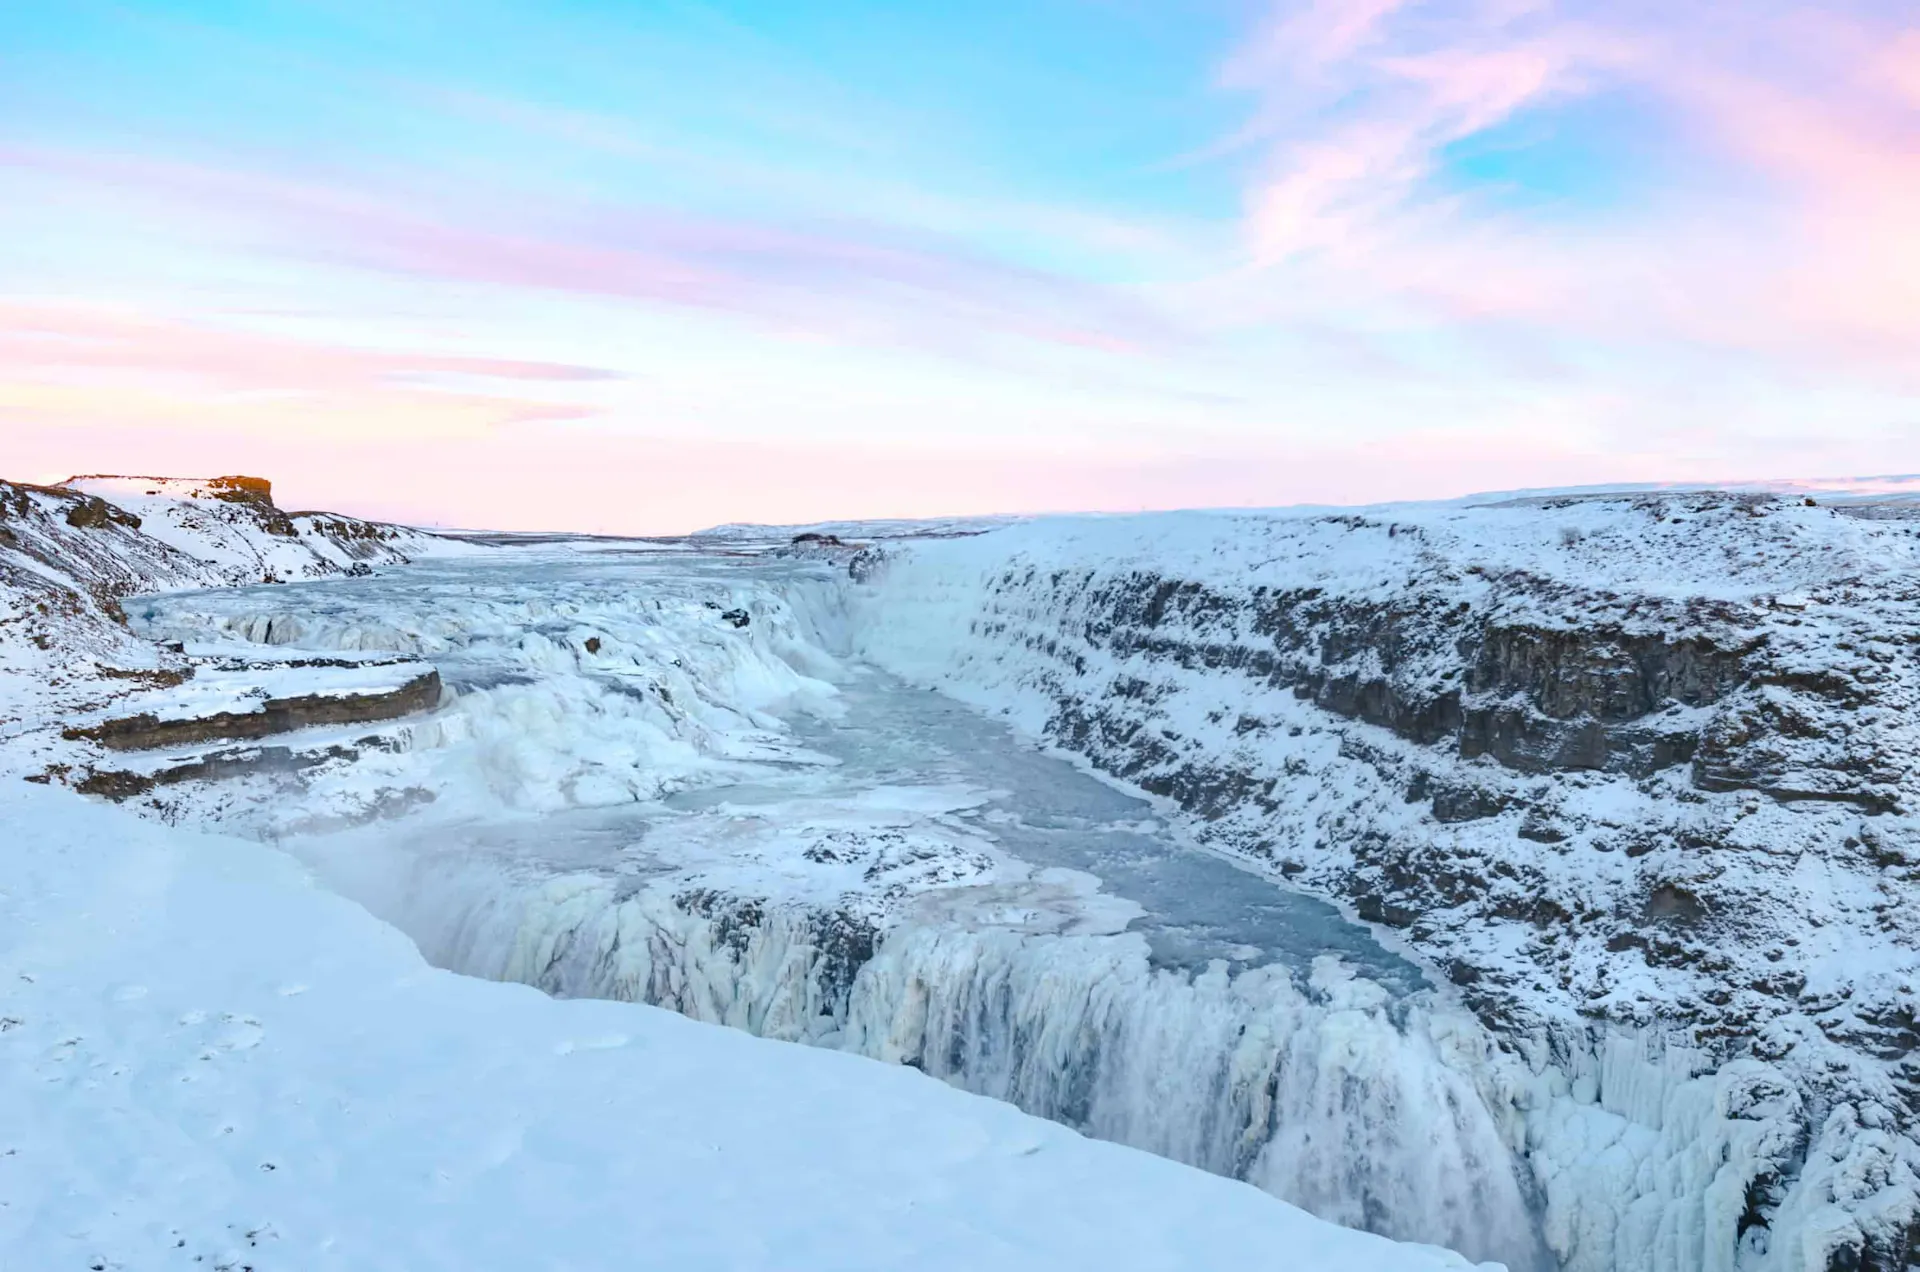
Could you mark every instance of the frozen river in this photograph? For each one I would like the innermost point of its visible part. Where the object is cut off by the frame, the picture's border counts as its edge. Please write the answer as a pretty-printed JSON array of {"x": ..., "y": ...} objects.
[
  {"x": 1195, "y": 908},
  {"x": 658, "y": 777}
]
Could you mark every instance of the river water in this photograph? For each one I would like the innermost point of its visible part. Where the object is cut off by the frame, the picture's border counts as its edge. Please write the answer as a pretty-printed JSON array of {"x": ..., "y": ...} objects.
[{"x": 631, "y": 794}]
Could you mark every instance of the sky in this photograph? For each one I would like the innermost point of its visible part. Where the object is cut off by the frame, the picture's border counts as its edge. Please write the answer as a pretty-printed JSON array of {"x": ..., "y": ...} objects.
[{"x": 645, "y": 267}]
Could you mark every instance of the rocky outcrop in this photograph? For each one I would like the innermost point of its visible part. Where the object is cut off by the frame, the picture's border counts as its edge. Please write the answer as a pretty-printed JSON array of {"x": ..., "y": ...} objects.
[
  {"x": 71, "y": 554},
  {"x": 234, "y": 527},
  {"x": 124, "y": 784},
  {"x": 145, "y": 731},
  {"x": 357, "y": 541}
]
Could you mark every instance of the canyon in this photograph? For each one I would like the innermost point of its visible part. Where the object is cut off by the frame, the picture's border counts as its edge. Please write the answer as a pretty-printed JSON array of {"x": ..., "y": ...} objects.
[{"x": 1530, "y": 876}]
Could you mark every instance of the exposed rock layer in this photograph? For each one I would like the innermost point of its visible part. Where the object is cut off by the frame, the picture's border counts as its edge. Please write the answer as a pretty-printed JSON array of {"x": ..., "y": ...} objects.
[
  {"x": 1624, "y": 764},
  {"x": 276, "y": 715}
]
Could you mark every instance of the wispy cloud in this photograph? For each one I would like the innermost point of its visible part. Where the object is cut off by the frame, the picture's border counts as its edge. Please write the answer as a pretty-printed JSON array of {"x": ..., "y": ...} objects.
[
  {"x": 1789, "y": 232},
  {"x": 841, "y": 279},
  {"x": 1350, "y": 247},
  {"x": 65, "y": 364}
]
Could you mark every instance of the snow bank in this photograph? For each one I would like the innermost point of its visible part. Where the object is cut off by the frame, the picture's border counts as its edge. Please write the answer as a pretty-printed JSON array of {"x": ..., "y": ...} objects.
[{"x": 207, "y": 1061}]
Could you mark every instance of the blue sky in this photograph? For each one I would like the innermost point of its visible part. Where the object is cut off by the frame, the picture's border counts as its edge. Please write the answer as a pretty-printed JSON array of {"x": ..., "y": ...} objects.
[{"x": 514, "y": 263}]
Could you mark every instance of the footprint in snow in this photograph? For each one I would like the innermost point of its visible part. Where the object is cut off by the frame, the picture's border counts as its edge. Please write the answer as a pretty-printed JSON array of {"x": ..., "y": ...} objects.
[{"x": 242, "y": 1033}]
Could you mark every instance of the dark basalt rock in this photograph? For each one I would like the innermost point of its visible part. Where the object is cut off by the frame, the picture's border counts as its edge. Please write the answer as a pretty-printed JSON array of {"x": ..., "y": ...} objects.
[
  {"x": 120, "y": 785},
  {"x": 1672, "y": 903},
  {"x": 277, "y": 715},
  {"x": 1375, "y": 909},
  {"x": 1467, "y": 803},
  {"x": 89, "y": 513},
  {"x": 1541, "y": 828},
  {"x": 1603, "y": 674}
]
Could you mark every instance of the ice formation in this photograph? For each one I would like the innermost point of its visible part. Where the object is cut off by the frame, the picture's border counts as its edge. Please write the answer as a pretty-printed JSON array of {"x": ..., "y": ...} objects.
[
  {"x": 886, "y": 919},
  {"x": 1635, "y": 770},
  {"x": 1627, "y": 774}
]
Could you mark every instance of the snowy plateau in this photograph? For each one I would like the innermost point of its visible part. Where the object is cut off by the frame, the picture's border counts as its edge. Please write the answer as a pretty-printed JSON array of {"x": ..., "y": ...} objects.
[{"x": 1531, "y": 878}]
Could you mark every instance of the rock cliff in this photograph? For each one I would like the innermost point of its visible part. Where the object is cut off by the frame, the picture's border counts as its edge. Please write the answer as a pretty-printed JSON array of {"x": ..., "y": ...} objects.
[{"x": 1625, "y": 767}]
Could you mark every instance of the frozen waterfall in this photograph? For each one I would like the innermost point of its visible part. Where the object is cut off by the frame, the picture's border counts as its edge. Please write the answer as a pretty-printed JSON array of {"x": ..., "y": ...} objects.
[{"x": 631, "y": 796}]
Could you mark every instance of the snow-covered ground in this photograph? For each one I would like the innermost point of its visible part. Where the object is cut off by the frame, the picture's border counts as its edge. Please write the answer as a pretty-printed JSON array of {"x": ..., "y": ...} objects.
[
  {"x": 208, "y": 1060},
  {"x": 225, "y": 685},
  {"x": 1622, "y": 782},
  {"x": 232, "y": 524},
  {"x": 854, "y": 531}
]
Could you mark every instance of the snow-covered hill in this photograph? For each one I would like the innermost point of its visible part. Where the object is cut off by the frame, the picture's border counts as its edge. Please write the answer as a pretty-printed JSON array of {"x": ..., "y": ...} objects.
[
  {"x": 1641, "y": 772},
  {"x": 70, "y": 554},
  {"x": 233, "y": 524},
  {"x": 66, "y": 561}
]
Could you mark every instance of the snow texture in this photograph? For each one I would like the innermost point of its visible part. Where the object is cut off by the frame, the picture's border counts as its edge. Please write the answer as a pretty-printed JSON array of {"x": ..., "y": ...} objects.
[
  {"x": 1631, "y": 775},
  {"x": 209, "y": 1061},
  {"x": 1637, "y": 771},
  {"x": 232, "y": 524}
]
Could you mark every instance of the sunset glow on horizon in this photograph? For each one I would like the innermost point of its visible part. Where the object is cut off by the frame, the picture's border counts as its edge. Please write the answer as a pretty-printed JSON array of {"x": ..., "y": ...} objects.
[{"x": 646, "y": 267}]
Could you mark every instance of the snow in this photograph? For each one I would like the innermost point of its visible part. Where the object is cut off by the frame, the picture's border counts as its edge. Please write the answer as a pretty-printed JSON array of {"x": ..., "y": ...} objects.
[
  {"x": 232, "y": 525},
  {"x": 207, "y": 1059},
  {"x": 209, "y": 1062},
  {"x": 855, "y": 531},
  {"x": 837, "y": 860},
  {"x": 630, "y": 795},
  {"x": 246, "y": 688},
  {"x": 1139, "y": 642}
]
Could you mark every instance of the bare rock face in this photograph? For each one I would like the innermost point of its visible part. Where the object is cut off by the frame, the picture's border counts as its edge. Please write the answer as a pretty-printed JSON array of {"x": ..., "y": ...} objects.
[
  {"x": 255, "y": 493},
  {"x": 275, "y": 715},
  {"x": 254, "y": 490}
]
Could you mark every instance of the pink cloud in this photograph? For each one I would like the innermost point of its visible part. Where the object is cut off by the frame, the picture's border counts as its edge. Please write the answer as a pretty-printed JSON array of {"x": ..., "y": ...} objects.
[
  {"x": 67, "y": 364},
  {"x": 845, "y": 281},
  {"x": 1898, "y": 67},
  {"x": 45, "y": 337},
  {"x": 1809, "y": 116},
  {"x": 556, "y": 477}
]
